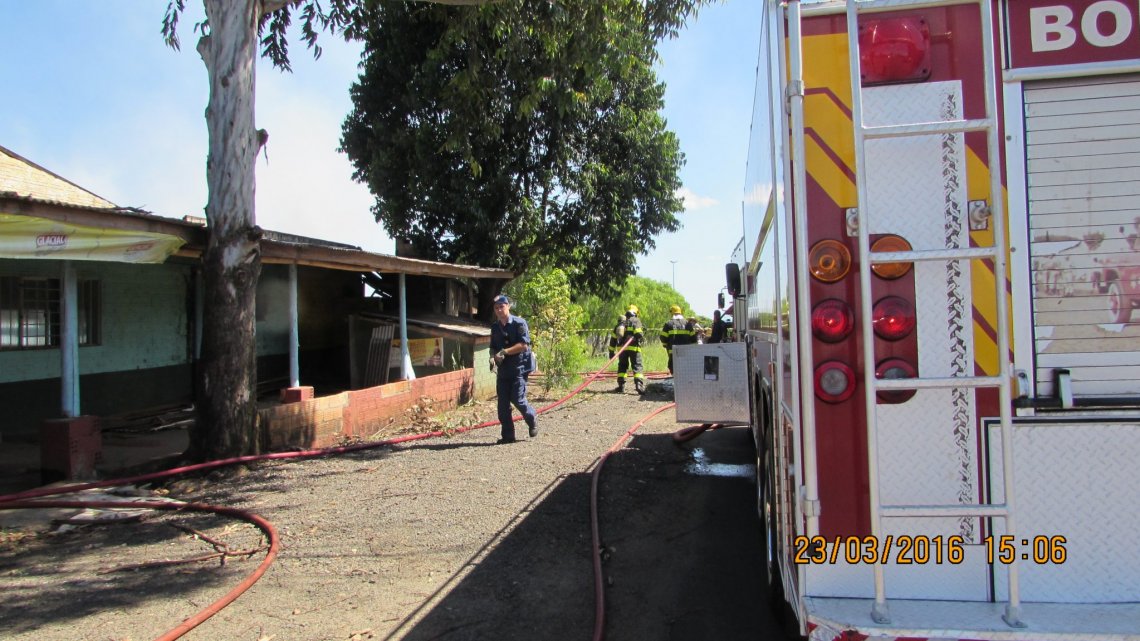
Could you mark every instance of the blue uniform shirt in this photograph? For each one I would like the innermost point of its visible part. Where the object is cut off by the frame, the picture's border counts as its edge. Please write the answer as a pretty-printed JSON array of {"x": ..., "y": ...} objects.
[{"x": 502, "y": 337}]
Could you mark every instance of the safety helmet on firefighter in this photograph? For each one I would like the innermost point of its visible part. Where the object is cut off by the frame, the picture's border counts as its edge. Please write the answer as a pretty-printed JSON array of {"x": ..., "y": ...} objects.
[
  {"x": 674, "y": 309},
  {"x": 632, "y": 310}
]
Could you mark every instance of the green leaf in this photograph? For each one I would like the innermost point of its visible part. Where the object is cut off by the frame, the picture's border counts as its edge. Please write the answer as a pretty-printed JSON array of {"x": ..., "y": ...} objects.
[{"x": 535, "y": 124}]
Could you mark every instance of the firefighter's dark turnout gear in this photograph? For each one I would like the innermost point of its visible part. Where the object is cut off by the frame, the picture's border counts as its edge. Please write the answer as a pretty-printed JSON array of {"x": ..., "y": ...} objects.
[
  {"x": 677, "y": 331},
  {"x": 631, "y": 357}
]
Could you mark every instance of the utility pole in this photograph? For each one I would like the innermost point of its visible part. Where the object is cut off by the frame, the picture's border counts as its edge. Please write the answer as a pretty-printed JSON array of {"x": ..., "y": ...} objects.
[{"x": 674, "y": 274}]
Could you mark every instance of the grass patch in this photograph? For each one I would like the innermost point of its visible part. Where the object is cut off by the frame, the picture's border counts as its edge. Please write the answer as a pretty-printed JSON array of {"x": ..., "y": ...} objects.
[{"x": 653, "y": 359}]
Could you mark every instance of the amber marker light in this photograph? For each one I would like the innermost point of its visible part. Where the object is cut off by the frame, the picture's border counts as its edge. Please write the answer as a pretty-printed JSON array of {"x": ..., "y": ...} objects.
[
  {"x": 891, "y": 243},
  {"x": 829, "y": 261}
]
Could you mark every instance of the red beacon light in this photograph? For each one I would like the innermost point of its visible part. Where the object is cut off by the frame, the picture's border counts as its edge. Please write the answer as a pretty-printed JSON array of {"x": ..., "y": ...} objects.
[{"x": 894, "y": 50}]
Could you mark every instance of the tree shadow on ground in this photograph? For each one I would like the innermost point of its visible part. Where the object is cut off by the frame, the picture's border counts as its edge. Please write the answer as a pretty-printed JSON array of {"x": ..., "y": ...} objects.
[
  {"x": 683, "y": 557},
  {"x": 84, "y": 585},
  {"x": 84, "y": 580}
]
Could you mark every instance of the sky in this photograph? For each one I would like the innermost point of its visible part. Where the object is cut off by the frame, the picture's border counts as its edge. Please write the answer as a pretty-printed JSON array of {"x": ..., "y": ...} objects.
[{"x": 95, "y": 96}]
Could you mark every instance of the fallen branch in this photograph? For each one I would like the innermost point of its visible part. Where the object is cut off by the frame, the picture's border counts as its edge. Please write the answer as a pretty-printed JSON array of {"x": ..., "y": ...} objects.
[
  {"x": 222, "y": 554},
  {"x": 218, "y": 545}
]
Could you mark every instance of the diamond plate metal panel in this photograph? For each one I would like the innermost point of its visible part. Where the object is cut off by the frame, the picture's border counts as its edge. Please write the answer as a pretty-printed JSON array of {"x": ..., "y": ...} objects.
[
  {"x": 1076, "y": 480},
  {"x": 915, "y": 179},
  {"x": 948, "y": 621},
  {"x": 917, "y": 188},
  {"x": 711, "y": 383},
  {"x": 928, "y": 456},
  {"x": 966, "y": 581}
]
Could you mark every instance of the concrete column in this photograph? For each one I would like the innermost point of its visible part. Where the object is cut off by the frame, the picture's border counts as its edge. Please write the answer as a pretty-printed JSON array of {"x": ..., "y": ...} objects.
[
  {"x": 69, "y": 342},
  {"x": 294, "y": 321},
  {"x": 406, "y": 371}
]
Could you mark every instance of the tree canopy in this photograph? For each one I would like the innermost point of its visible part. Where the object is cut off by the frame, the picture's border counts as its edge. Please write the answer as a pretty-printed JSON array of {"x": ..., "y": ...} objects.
[
  {"x": 652, "y": 297},
  {"x": 519, "y": 134}
]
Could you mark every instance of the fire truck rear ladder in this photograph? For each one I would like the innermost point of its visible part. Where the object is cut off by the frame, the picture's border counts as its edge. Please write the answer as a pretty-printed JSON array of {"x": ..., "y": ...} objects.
[{"x": 996, "y": 253}]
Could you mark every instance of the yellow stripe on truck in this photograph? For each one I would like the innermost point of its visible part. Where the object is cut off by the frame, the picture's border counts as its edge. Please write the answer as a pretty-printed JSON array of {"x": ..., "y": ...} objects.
[
  {"x": 835, "y": 75},
  {"x": 981, "y": 275},
  {"x": 830, "y": 177}
]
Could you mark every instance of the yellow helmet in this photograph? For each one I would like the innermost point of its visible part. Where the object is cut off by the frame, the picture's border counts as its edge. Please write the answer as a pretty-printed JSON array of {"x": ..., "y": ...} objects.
[
  {"x": 632, "y": 309},
  {"x": 675, "y": 309}
]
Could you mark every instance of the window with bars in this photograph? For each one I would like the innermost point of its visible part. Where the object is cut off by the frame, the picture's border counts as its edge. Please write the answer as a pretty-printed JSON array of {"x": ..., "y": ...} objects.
[{"x": 31, "y": 316}]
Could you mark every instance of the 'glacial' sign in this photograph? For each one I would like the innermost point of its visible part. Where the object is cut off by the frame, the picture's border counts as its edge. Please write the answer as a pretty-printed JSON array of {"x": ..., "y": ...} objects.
[{"x": 1064, "y": 32}]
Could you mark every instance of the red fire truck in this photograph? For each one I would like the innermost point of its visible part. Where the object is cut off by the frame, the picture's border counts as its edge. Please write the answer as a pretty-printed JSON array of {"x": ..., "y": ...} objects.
[{"x": 943, "y": 388}]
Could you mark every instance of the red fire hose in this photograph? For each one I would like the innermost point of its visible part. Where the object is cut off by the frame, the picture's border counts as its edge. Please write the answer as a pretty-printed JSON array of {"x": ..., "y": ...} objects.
[
  {"x": 599, "y": 588},
  {"x": 19, "y": 500},
  {"x": 692, "y": 432},
  {"x": 215, "y": 607}
]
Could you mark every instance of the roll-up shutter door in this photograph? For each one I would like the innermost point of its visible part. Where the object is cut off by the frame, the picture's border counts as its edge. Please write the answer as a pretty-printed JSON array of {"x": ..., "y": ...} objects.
[{"x": 1083, "y": 162}]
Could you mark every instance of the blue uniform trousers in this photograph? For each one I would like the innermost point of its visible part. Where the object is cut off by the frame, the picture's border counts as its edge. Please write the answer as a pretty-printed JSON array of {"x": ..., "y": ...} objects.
[{"x": 511, "y": 389}]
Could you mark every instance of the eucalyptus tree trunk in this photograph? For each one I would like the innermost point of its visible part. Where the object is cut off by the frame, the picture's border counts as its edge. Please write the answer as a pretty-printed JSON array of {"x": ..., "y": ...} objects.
[{"x": 227, "y": 374}]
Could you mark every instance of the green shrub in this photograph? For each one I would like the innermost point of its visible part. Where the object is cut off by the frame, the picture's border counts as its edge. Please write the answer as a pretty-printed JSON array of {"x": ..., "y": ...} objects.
[
  {"x": 543, "y": 299},
  {"x": 560, "y": 362}
]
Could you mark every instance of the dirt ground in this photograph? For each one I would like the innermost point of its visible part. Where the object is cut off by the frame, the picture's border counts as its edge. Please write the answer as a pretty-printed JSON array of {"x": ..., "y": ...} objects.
[{"x": 447, "y": 538}]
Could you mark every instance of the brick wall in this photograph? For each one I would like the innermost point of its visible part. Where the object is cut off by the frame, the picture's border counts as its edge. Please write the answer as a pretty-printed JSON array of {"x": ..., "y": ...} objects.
[{"x": 329, "y": 420}]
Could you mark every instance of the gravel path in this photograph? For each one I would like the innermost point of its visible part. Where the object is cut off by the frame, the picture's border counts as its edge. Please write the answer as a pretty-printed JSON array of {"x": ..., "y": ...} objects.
[{"x": 443, "y": 538}]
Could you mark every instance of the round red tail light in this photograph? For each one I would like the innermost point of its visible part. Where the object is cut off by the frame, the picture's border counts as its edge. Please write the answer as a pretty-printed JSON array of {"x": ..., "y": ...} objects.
[
  {"x": 893, "y": 368},
  {"x": 892, "y": 318},
  {"x": 832, "y": 321},
  {"x": 834, "y": 382}
]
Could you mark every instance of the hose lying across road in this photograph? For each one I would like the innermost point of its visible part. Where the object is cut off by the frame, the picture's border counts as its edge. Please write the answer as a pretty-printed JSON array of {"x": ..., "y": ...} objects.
[
  {"x": 24, "y": 500},
  {"x": 599, "y": 589}
]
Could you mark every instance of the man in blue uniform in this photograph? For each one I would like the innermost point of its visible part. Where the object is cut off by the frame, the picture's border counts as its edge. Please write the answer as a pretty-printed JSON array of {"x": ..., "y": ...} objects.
[{"x": 510, "y": 353}]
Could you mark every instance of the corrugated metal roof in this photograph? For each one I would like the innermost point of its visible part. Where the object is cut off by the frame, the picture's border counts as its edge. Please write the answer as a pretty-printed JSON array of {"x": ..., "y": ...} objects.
[{"x": 30, "y": 190}]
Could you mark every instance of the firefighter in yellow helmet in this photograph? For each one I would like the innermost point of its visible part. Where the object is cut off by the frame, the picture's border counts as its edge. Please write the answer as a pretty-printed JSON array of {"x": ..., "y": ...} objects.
[
  {"x": 677, "y": 331},
  {"x": 631, "y": 357}
]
